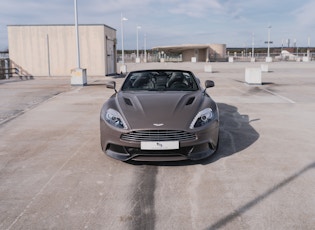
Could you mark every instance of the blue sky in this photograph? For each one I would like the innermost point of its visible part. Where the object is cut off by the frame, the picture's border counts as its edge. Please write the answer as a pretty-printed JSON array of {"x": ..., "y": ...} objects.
[{"x": 175, "y": 22}]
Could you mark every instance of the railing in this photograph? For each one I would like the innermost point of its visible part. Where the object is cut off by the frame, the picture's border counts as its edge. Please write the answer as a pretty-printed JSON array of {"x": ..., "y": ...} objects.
[
  {"x": 5, "y": 71},
  {"x": 246, "y": 57},
  {"x": 9, "y": 68},
  {"x": 20, "y": 71}
]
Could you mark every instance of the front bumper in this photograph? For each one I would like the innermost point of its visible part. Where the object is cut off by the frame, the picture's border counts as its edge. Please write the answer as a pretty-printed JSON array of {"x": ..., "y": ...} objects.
[{"x": 201, "y": 146}]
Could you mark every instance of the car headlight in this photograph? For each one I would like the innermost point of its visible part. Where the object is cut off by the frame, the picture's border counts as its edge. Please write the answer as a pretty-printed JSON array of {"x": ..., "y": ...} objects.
[
  {"x": 202, "y": 118},
  {"x": 114, "y": 118}
]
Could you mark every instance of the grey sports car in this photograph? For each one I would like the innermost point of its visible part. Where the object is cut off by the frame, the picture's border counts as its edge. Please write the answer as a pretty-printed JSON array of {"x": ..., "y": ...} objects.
[{"x": 159, "y": 115}]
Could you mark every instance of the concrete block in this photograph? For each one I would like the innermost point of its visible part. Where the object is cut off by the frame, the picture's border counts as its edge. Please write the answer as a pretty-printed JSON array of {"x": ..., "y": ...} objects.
[
  {"x": 123, "y": 68},
  {"x": 193, "y": 59},
  {"x": 306, "y": 59},
  {"x": 268, "y": 59},
  {"x": 137, "y": 60},
  {"x": 78, "y": 77},
  {"x": 208, "y": 68},
  {"x": 253, "y": 76},
  {"x": 231, "y": 59},
  {"x": 264, "y": 68}
]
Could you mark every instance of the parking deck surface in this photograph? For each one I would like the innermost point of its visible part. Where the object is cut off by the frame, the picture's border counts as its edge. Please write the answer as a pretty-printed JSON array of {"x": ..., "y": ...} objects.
[{"x": 54, "y": 175}]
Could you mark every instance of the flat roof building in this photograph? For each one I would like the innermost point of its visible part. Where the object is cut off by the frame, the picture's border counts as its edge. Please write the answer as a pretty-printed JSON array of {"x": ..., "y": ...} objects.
[
  {"x": 50, "y": 50},
  {"x": 197, "y": 52}
]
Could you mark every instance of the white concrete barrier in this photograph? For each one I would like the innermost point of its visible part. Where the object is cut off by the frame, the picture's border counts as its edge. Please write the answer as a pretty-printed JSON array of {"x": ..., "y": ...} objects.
[
  {"x": 193, "y": 59},
  {"x": 264, "y": 68},
  {"x": 78, "y": 77},
  {"x": 123, "y": 68},
  {"x": 231, "y": 59},
  {"x": 306, "y": 59},
  {"x": 208, "y": 68},
  {"x": 253, "y": 76}
]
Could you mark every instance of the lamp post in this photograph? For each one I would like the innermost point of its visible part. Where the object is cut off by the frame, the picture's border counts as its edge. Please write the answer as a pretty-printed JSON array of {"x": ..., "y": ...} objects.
[
  {"x": 145, "y": 47},
  {"x": 308, "y": 48},
  {"x": 78, "y": 75},
  {"x": 123, "y": 67},
  {"x": 137, "y": 58},
  {"x": 268, "y": 58},
  {"x": 253, "y": 48},
  {"x": 268, "y": 54},
  {"x": 77, "y": 33}
]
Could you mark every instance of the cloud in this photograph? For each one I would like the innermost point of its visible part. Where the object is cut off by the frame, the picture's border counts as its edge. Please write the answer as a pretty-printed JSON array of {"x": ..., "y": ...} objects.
[
  {"x": 305, "y": 14},
  {"x": 198, "y": 8},
  {"x": 171, "y": 21},
  {"x": 115, "y": 7},
  {"x": 37, "y": 12}
]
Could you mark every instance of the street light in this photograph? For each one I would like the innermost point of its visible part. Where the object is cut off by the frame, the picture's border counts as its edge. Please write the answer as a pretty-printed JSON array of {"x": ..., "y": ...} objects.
[
  {"x": 123, "y": 67},
  {"x": 268, "y": 59},
  {"x": 78, "y": 75},
  {"x": 269, "y": 27},
  {"x": 138, "y": 59},
  {"x": 253, "y": 47},
  {"x": 145, "y": 47},
  {"x": 122, "y": 37},
  {"x": 77, "y": 33}
]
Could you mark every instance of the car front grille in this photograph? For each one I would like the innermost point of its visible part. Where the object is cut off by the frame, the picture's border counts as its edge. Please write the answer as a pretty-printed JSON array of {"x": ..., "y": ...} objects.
[{"x": 158, "y": 135}]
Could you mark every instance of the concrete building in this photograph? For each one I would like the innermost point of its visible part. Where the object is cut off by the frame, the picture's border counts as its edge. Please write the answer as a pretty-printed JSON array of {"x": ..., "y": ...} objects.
[
  {"x": 50, "y": 50},
  {"x": 196, "y": 52}
]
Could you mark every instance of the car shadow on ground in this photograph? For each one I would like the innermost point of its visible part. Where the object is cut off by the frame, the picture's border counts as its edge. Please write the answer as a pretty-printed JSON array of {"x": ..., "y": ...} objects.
[{"x": 236, "y": 134}]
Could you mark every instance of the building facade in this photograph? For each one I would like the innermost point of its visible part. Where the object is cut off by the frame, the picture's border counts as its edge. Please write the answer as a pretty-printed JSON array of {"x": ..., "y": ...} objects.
[
  {"x": 51, "y": 50},
  {"x": 196, "y": 52}
]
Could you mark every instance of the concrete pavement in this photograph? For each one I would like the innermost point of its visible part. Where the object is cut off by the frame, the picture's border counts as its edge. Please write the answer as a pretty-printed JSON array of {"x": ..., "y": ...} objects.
[{"x": 53, "y": 174}]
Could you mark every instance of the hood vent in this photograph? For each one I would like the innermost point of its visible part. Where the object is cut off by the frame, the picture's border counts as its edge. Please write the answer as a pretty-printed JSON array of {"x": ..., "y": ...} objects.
[
  {"x": 190, "y": 101},
  {"x": 127, "y": 101}
]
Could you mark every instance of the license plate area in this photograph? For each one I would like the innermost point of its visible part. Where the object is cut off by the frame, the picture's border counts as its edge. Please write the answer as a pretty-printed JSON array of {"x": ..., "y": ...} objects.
[{"x": 159, "y": 145}]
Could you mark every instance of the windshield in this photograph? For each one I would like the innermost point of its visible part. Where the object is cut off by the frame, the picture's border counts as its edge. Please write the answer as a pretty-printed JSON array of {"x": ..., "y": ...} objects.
[{"x": 156, "y": 80}]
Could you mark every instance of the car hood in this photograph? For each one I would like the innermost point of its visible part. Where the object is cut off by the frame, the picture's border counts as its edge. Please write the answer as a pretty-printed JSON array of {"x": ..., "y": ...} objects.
[{"x": 159, "y": 110}]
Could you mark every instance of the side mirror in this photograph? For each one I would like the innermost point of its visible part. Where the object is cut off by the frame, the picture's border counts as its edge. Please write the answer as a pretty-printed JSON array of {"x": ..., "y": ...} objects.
[
  {"x": 209, "y": 84},
  {"x": 111, "y": 85}
]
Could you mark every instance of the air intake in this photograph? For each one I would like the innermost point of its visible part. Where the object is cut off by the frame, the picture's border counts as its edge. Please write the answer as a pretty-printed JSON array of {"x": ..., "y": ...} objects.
[
  {"x": 127, "y": 101},
  {"x": 190, "y": 101}
]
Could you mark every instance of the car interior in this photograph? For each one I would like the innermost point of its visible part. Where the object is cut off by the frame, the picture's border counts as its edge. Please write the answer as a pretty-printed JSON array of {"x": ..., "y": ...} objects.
[{"x": 168, "y": 81}]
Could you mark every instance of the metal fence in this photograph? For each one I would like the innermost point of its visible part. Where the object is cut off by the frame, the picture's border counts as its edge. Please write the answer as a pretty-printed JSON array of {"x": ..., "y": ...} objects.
[
  {"x": 9, "y": 68},
  {"x": 260, "y": 57},
  {"x": 5, "y": 68},
  {"x": 237, "y": 57},
  {"x": 4, "y": 55}
]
